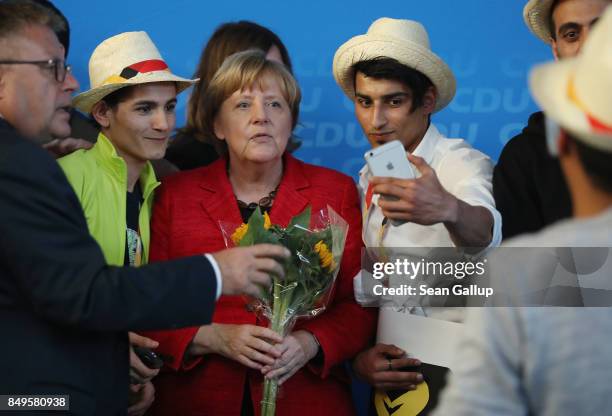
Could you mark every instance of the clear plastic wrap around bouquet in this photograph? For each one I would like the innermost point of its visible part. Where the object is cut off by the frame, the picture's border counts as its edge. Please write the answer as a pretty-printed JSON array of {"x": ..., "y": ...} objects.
[{"x": 316, "y": 242}]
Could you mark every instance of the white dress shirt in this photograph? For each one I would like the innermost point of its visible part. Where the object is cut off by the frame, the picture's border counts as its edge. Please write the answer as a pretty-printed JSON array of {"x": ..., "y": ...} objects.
[{"x": 464, "y": 172}]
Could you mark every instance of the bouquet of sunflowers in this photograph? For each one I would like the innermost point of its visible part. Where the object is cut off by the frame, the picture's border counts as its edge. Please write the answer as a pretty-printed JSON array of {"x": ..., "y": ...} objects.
[{"x": 316, "y": 243}]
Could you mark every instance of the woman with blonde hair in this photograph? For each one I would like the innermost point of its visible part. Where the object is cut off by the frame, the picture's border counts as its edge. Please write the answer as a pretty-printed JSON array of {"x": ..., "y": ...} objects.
[
  {"x": 251, "y": 108},
  {"x": 193, "y": 147}
]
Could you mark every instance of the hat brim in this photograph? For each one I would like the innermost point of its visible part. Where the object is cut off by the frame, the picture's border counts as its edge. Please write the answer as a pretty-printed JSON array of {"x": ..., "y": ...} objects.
[
  {"x": 536, "y": 15},
  {"x": 86, "y": 100},
  {"x": 549, "y": 86},
  {"x": 364, "y": 47}
]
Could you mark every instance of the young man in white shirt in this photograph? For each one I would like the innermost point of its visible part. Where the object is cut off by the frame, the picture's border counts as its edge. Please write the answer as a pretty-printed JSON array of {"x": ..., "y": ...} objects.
[{"x": 397, "y": 83}]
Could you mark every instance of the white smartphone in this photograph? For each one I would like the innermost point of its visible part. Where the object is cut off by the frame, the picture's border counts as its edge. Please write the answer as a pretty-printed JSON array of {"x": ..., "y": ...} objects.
[{"x": 389, "y": 160}]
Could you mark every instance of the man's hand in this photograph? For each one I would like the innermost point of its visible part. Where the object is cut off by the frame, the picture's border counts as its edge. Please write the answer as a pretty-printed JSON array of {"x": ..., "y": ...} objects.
[
  {"x": 252, "y": 346},
  {"x": 380, "y": 366},
  {"x": 138, "y": 370},
  {"x": 62, "y": 147},
  {"x": 246, "y": 269},
  {"x": 422, "y": 200},
  {"x": 141, "y": 398},
  {"x": 297, "y": 349}
]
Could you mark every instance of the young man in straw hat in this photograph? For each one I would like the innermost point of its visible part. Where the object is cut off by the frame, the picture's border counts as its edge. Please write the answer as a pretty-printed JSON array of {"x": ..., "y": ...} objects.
[
  {"x": 529, "y": 188},
  {"x": 133, "y": 99},
  {"x": 397, "y": 83},
  {"x": 554, "y": 361},
  {"x": 64, "y": 311}
]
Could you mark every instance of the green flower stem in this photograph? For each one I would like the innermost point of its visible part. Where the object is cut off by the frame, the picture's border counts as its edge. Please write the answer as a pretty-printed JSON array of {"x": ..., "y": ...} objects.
[
  {"x": 305, "y": 283},
  {"x": 268, "y": 404},
  {"x": 280, "y": 320}
]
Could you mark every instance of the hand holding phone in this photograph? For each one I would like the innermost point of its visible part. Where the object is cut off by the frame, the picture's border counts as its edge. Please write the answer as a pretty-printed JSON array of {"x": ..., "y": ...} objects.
[
  {"x": 149, "y": 357},
  {"x": 390, "y": 160}
]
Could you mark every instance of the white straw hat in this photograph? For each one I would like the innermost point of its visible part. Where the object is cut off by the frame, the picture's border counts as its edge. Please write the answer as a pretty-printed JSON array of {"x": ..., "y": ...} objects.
[
  {"x": 536, "y": 14},
  {"x": 126, "y": 59},
  {"x": 577, "y": 92},
  {"x": 407, "y": 42}
]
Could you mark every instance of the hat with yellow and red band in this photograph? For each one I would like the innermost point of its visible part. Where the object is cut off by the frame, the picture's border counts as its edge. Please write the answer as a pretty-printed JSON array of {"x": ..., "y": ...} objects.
[{"x": 127, "y": 59}]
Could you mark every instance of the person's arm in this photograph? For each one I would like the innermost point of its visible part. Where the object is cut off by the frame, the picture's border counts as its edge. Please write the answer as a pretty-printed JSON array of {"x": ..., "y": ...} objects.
[
  {"x": 425, "y": 201},
  {"x": 467, "y": 209},
  {"x": 486, "y": 377},
  {"x": 57, "y": 268},
  {"x": 61, "y": 272},
  {"x": 251, "y": 345},
  {"x": 61, "y": 147},
  {"x": 469, "y": 225},
  {"x": 141, "y": 398},
  {"x": 139, "y": 370},
  {"x": 381, "y": 367}
]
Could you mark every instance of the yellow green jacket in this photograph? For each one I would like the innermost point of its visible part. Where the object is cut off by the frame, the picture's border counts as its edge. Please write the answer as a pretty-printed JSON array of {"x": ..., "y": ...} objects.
[{"x": 99, "y": 178}]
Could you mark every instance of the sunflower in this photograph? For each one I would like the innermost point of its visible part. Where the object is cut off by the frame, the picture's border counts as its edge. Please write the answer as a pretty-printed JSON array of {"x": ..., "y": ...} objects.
[
  {"x": 239, "y": 233},
  {"x": 325, "y": 256},
  {"x": 267, "y": 221}
]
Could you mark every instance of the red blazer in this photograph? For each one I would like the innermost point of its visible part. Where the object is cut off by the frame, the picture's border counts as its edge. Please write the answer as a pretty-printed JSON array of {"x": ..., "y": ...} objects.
[{"x": 185, "y": 222}]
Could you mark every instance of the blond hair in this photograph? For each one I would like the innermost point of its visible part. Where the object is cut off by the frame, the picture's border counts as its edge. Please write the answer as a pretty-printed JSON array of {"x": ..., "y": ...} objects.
[
  {"x": 240, "y": 71},
  {"x": 227, "y": 39}
]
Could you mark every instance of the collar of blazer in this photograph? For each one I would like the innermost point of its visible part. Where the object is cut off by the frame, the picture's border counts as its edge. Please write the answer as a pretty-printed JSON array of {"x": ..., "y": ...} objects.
[{"x": 289, "y": 201}]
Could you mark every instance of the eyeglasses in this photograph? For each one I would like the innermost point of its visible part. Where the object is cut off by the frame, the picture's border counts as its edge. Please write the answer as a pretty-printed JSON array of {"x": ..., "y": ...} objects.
[{"x": 59, "y": 66}]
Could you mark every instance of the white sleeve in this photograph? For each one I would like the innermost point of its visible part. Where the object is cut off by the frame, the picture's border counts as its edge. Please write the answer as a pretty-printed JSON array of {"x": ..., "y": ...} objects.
[
  {"x": 215, "y": 267},
  {"x": 475, "y": 186},
  {"x": 363, "y": 289}
]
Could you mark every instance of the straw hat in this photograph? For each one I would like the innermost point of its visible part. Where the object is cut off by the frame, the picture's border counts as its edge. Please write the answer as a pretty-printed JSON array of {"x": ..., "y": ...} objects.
[
  {"x": 126, "y": 59},
  {"x": 575, "y": 92},
  {"x": 403, "y": 40},
  {"x": 537, "y": 18}
]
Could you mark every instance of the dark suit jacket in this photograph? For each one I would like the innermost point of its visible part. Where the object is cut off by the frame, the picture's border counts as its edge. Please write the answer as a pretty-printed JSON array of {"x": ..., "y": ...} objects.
[{"x": 63, "y": 312}]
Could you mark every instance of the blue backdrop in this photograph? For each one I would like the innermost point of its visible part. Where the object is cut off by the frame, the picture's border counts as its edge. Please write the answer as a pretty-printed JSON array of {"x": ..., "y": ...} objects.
[{"x": 485, "y": 42}]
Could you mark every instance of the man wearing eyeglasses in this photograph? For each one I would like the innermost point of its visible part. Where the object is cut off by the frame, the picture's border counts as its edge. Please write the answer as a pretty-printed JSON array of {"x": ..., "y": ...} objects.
[
  {"x": 35, "y": 86},
  {"x": 57, "y": 67},
  {"x": 64, "y": 314},
  {"x": 66, "y": 138}
]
